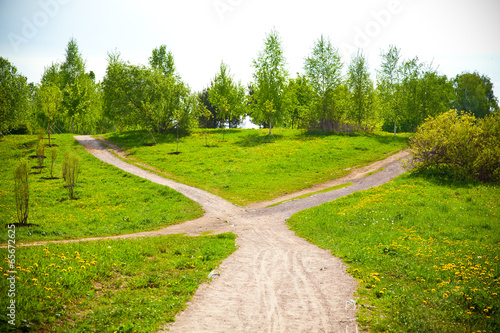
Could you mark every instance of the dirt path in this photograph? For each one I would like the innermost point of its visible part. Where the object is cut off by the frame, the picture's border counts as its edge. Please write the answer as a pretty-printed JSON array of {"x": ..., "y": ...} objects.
[{"x": 275, "y": 281}]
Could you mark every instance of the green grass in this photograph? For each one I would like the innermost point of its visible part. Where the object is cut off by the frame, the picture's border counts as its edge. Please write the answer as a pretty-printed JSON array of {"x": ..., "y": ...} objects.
[
  {"x": 245, "y": 168},
  {"x": 109, "y": 201},
  {"x": 425, "y": 251},
  {"x": 310, "y": 194},
  {"x": 133, "y": 285}
]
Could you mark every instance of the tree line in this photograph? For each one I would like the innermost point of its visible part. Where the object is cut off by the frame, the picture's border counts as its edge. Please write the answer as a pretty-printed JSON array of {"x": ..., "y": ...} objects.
[{"x": 154, "y": 97}]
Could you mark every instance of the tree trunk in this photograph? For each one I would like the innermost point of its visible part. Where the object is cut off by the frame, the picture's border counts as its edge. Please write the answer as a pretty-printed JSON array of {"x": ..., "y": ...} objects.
[
  {"x": 270, "y": 126},
  {"x": 395, "y": 127},
  {"x": 48, "y": 131}
]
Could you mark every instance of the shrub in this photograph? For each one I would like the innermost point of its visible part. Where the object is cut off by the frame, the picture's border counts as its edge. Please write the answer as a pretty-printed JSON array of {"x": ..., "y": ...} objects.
[
  {"x": 53, "y": 155},
  {"x": 71, "y": 168},
  {"x": 40, "y": 155},
  {"x": 465, "y": 147},
  {"x": 22, "y": 193}
]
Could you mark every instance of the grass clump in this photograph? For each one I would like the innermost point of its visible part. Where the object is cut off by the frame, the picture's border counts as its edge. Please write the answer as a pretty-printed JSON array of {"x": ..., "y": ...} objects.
[
  {"x": 425, "y": 252},
  {"x": 247, "y": 169},
  {"x": 133, "y": 285},
  {"x": 108, "y": 202}
]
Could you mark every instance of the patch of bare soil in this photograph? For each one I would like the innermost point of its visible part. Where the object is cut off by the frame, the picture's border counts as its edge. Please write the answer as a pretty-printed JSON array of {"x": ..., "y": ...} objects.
[{"x": 275, "y": 281}]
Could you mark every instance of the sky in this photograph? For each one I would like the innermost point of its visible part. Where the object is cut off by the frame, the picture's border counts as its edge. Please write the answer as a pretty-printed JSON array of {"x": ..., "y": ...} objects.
[{"x": 455, "y": 36}]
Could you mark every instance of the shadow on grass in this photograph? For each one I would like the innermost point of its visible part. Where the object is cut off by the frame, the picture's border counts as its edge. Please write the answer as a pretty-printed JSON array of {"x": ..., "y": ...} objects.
[
  {"x": 257, "y": 139},
  {"x": 445, "y": 176},
  {"x": 141, "y": 138}
]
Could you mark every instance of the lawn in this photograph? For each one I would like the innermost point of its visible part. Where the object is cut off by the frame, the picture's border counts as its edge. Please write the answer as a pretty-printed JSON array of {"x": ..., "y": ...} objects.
[
  {"x": 108, "y": 201},
  {"x": 245, "y": 168},
  {"x": 132, "y": 285},
  {"x": 424, "y": 249}
]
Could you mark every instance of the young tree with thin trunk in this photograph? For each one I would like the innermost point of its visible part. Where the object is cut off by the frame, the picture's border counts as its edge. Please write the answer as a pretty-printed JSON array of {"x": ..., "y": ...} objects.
[
  {"x": 361, "y": 89},
  {"x": 21, "y": 190},
  {"x": 48, "y": 99},
  {"x": 389, "y": 85},
  {"x": 323, "y": 68},
  {"x": 270, "y": 78},
  {"x": 227, "y": 96}
]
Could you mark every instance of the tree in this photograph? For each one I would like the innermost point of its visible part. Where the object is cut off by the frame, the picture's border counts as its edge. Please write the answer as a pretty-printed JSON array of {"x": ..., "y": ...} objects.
[
  {"x": 73, "y": 65},
  {"x": 324, "y": 70},
  {"x": 389, "y": 86},
  {"x": 361, "y": 89},
  {"x": 48, "y": 99},
  {"x": 162, "y": 61},
  {"x": 83, "y": 103},
  {"x": 474, "y": 93},
  {"x": 298, "y": 100},
  {"x": 145, "y": 97},
  {"x": 226, "y": 96},
  {"x": 14, "y": 97},
  {"x": 22, "y": 193},
  {"x": 270, "y": 78}
]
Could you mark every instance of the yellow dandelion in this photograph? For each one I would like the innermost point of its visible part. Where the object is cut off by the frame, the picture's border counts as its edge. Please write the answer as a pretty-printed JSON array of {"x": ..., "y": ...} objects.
[
  {"x": 70, "y": 268},
  {"x": 445, "y": 295},
  {"x": 83, "y": 267}
]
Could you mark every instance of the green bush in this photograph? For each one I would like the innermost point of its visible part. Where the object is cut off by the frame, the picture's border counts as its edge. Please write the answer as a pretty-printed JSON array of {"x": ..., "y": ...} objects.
[{"x": 460, "y": 145}]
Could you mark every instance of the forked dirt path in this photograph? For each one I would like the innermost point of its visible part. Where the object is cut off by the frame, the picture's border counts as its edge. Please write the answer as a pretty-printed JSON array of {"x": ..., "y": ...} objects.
[{"x": 275, "y": 281}]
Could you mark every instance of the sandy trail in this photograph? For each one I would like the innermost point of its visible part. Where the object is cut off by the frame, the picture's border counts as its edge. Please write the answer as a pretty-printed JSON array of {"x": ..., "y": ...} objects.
[{"x": 275, "y": 281}]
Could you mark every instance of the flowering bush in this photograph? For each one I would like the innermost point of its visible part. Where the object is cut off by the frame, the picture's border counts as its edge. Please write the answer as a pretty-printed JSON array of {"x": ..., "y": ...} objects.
[{"x": 459, "y": 143}]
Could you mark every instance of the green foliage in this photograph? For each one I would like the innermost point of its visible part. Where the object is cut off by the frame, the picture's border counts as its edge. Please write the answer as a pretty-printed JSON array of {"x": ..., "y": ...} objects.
[
  {"x": 226, "y": 96},
  {"x": 112, "y": 285},
  {"x": 110, "y": 201},
  {"x": 14, "y": 98},
  {"x": 162, "y": 61},
  {"x": 298, "y": 101},
  {"x": 474, "y": 93},
  {"x": 361, "y": 91},
  {"x": 270, "y": 80},
  {"x": 22, "y": 193},
  {"x": 324, "y": 72},
  {"x": 246, "y": 169},
  {"x": 73, "y": 65},
  {"x": 48, "y": 100},
  {"x": 82, "y": 104},
  {"x": 459, "y": 144},
  {"x": 139, "y": 96},
  {"x": 410, "y": 91},
  {"x": 423, "y": 250}
]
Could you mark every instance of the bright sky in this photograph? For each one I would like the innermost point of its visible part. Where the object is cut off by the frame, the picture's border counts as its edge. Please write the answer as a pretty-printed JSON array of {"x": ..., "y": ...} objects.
[{"x": 456, "y": 35}]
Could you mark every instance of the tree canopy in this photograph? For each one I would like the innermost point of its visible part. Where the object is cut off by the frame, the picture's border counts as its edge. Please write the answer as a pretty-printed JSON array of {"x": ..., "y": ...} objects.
[{"x": 270, "y": 77}]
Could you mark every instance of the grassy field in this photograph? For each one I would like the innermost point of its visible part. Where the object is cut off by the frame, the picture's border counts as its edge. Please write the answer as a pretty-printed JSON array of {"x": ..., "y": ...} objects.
[
  {"x": 425, "y": 250},
  {"x": 133, "y": 285},
  {"x": 245, "y": 168},
  {"x": 108, "y": 200}
]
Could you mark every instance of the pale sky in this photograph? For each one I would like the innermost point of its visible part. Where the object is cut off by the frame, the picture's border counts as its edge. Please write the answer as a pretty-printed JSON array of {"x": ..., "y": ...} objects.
[{"x": 455, "y": 35}]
